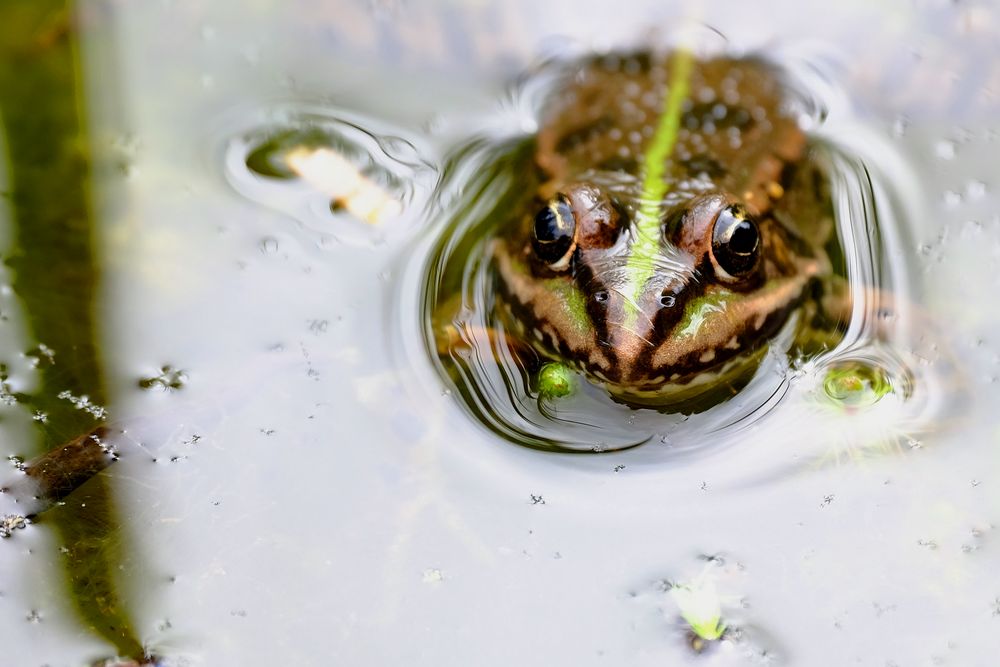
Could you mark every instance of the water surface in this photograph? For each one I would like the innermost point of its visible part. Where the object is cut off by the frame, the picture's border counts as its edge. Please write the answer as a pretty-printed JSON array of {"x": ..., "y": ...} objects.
[{"x": 299, "y": 486}]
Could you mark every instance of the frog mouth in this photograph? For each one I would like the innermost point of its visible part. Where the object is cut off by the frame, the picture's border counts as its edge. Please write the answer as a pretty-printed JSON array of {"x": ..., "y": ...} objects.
[{"x": 694, "y": 391}]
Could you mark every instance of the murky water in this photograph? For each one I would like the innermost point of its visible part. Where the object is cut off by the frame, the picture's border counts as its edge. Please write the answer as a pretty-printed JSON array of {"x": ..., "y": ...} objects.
[{"x": 298, "y": 483}]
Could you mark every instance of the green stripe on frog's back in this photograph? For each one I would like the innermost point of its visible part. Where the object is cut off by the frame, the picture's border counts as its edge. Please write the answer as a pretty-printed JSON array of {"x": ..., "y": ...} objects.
[{"x": 641, "y": 260}]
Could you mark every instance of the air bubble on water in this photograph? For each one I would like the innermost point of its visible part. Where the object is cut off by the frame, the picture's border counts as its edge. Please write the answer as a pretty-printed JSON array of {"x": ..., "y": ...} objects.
[
  {"x": 84, "y": 403},
  {"x": 6, "y": 396},
  {"x": 41, "y": 353},
  {"x": 11, "y": 522}
]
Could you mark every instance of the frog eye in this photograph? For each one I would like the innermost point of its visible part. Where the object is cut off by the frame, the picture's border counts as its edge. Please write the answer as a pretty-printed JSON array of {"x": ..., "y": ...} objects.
[
  {"x": 735, "y": 241},
  {"x": 554, "y": 233}
]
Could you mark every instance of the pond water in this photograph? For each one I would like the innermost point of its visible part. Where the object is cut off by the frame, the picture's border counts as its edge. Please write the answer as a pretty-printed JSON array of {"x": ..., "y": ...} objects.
[{"x": 298, "y": 483}]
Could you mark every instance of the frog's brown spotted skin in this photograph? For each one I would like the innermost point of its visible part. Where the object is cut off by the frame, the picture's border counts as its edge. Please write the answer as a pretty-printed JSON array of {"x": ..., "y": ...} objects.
[{"x": 740, "y": 159}]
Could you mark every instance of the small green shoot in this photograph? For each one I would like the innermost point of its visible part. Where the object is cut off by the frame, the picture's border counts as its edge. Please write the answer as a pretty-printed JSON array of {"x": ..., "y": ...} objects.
[{"x": 700, "y": 606}]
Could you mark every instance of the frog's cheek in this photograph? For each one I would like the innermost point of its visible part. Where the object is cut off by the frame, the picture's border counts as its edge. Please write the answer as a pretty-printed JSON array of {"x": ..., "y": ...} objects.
[{"x": 721, "y": 324}]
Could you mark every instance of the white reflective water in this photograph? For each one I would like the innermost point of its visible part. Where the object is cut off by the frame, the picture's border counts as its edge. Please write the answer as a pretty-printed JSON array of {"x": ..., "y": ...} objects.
[{"x": 313, "y": 494}]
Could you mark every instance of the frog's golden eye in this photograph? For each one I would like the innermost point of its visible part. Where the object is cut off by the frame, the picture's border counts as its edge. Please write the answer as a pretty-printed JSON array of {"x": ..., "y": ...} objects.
[
  {"x": 735, "y": 241},
  {"x": 554, "y": 234}
]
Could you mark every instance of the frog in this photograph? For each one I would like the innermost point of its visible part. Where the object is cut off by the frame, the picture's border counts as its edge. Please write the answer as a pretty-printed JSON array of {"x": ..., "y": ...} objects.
[{"x": 669, "y": 299}]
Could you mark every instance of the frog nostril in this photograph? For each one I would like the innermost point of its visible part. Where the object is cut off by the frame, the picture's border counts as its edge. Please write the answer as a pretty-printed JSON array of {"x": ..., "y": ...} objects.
[
  {"x": 667, "y": 300},
  {"x": 601, "y": 297}
]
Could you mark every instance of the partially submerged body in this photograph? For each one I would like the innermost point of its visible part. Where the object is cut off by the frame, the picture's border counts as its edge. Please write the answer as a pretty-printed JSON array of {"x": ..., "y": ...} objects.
[{"x": 664, "y": 299}]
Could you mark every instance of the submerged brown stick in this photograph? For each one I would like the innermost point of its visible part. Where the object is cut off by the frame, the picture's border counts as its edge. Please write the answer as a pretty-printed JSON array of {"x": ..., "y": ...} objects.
[
  {"x": 50, "y": 477},
  {"x": 59, "y": 472}
]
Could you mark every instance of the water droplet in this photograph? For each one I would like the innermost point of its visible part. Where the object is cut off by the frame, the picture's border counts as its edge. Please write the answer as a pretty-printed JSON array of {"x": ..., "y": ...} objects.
[
  {"x": 11, "y": 522},
  {"x": 269, "y": 245},
  {"x": 84, "y": 403},
  {"x": 856, "y": 384}
]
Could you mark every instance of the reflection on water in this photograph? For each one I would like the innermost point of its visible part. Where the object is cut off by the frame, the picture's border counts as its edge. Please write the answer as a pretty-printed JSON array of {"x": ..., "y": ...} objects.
[
  {"x": 301, "y": 485},
  {"x": 331, "y": 173}
]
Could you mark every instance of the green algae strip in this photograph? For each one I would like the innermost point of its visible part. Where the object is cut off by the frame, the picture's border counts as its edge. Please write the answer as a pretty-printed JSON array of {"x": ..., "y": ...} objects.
[
  {"x": 641, "y": 262},
  {"x": 55, "y": 279}
]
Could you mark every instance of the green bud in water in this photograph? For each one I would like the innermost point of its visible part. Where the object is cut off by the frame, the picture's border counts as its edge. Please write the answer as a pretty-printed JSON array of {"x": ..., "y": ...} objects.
[
  {"x": 856, "y": 384},
  {"x": 555, "y": 380},
  {"x": 702, "y": 611}
]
